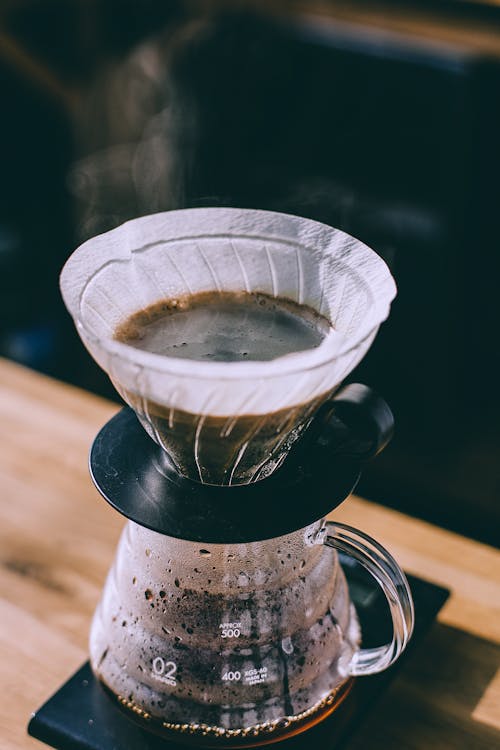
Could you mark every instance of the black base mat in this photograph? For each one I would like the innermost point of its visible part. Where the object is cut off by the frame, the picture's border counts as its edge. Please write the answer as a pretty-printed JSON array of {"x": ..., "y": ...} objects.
[{"x": 81, "y": 716}]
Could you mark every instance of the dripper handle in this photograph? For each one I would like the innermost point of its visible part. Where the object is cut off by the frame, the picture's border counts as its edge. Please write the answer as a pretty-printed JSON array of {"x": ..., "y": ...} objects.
[
  {"x": 391, "y": 579},
  {"x": 357, "y": 423}
]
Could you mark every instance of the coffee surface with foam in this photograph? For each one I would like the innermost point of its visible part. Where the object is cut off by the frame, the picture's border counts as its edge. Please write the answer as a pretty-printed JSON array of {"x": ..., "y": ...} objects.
[{"x": 225, "y": 327}]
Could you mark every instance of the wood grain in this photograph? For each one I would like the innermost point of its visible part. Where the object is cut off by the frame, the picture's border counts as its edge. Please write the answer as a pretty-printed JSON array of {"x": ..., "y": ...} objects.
[
  {"x": 57, "y": 540},
  {"x": 488, "y": 708}
]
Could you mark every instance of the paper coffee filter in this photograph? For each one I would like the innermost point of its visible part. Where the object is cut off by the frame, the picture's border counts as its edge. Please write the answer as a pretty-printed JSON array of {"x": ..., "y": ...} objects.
[{"x": 178, "y": 253}]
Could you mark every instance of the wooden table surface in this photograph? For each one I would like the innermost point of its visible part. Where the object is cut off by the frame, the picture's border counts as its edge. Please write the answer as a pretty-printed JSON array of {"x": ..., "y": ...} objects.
[{"x": 57, "y": 540}]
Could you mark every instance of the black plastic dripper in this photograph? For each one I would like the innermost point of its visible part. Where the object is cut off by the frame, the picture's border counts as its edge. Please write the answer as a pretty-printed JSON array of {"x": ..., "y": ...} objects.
[{"x": 135, "y": 476}]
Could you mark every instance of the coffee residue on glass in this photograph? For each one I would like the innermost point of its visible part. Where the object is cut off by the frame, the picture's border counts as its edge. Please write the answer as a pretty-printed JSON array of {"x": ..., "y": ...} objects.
[{"x": 225, "y": 327}]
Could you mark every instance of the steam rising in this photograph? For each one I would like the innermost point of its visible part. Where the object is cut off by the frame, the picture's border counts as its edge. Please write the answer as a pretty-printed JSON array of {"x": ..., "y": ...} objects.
[{"x": 136, "y": 127}]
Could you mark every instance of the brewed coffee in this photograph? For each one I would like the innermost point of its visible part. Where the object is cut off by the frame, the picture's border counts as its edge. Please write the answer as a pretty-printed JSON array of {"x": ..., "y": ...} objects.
[
  {"x": 223, "y": 450},
  {"x": 225, "y": 327}
]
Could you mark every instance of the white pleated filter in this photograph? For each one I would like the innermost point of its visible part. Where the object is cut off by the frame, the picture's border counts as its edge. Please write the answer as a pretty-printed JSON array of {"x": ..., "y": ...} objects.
[
  {"x": 226, "y": 422},
  {"x": 177, "y": 253}
]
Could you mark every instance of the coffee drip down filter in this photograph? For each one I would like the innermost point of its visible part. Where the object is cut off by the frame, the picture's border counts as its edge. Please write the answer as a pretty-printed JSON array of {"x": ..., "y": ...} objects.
[
  {"x": 226, "y": 423},
  {"x": 225, "y": 619}
]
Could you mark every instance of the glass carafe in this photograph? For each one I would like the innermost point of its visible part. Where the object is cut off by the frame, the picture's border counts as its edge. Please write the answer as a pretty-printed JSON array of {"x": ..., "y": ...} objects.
[{"x": 232, "y": 644}]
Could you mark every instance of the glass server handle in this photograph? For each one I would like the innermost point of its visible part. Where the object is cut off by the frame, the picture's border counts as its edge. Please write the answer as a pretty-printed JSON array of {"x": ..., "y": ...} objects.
[{"x": 391, "y": 579}]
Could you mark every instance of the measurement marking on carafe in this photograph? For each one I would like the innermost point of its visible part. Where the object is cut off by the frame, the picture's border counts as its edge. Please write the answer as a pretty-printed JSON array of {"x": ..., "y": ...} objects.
[
  {"x": 164, "y": 671},
  {"x": 231, "y": 676},
  {"x": 230, "y": 629},
  {"x": 255, "y": 676}
]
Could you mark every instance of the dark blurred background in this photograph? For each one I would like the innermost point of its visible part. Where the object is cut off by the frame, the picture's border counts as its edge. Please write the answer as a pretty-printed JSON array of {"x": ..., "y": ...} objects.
[{"x": 382, "y": 119}]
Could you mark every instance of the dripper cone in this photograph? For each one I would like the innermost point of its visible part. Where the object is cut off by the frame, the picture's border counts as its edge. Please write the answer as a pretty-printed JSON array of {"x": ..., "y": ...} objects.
[{"x": 226, "y": 422}]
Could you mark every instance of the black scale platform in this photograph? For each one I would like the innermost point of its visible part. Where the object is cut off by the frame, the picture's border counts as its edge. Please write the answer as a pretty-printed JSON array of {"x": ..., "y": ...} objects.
[{"x": 81, "y": 716}]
